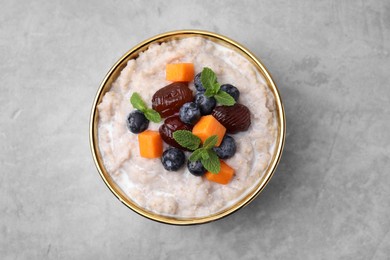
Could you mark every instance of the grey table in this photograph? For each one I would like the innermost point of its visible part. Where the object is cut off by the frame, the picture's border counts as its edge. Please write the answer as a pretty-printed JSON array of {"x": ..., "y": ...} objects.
[{"x": 330, "y": 196}]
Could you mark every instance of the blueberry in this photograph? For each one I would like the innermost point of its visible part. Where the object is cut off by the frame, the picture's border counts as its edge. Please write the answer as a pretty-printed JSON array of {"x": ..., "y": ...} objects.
[
  {"x": 206, "y": 104},
  {"x": 137, "y": 122},
  {"x": 189, "y": 113},
  {"x": 231, "y": 90},
  {"x": 196, "y": 168},
  {"x": 227, "y": 148},
  {"x": 173, "y": 159},
  {"x": 198, "y": 83}
]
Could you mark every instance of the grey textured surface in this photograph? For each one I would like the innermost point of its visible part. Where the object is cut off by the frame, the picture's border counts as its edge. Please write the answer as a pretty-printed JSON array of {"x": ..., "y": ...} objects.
[{"x": 330, "y": 196}]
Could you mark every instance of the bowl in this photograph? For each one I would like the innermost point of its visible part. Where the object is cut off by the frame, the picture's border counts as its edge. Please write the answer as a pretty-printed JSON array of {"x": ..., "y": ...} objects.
[{"x": 113, "y": 74}]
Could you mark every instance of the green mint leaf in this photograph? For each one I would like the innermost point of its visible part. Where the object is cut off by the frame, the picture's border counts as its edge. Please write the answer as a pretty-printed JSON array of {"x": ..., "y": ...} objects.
[
  {"x": 196, "y": 155},
  {"x": 209, "y": 92},
  {"x": 212, "y": 164},
  {"x": 186, "y": 139},
  {"x": 152, "y": 115},
  {"x": 213, "y": 88},
  {"x": 210, "y": 142},
  {"x": 205, "y": 155},
  {"x": 224, "y": 98},
  {"x": 137, "y": 102},
  {"x": 208, "y": 78},
  {"x": 216, "y": 87}
]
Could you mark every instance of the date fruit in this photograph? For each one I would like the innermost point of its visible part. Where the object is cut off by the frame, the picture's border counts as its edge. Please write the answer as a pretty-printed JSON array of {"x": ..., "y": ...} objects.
[
  {"x": 168, "y": 100},
  {"x": 171, "y": 124},
  {"x": 235, "y": 118}
]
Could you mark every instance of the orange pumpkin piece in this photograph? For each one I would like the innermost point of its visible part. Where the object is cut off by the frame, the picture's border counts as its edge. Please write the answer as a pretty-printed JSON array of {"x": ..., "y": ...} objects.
[
  {"x": 150, "y": 144},
  {"x": 208, "y": 126},
  {"x": 224, "y": 176},
  {"x": 183, "y": 72}
]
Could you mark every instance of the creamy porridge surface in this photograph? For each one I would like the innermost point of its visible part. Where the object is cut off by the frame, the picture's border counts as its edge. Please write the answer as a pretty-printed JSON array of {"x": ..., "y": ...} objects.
[{"x": 180, "y": 194}]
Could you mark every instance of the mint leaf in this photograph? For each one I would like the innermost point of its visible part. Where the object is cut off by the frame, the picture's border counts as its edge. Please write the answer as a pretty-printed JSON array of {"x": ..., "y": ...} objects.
[
  {"x": 210, "y": 142},
  {"x": 209, "y": 92},
  {"x": 205, "y": 155},
  {"x": 186, "y": 139},
  {"x": 213, "y": 88},
  {"x": 152, "y": 115},
  {"x": 216, "y": 86},
  {"x": 224, "y": 98},
  {"x": 208, "y": 78},
  {"x": 196, "y": 155},
  {"x": 212, "y": 164},
  {"x": 137, "y": 102}
]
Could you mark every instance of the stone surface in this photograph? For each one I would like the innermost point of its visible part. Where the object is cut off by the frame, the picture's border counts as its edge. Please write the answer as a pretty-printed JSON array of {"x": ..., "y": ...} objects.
[{"x": 330, "y": 196}]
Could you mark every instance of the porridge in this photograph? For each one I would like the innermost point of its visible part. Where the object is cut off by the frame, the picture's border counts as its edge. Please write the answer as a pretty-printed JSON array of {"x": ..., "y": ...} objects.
[{"x": 180, "y": 193}]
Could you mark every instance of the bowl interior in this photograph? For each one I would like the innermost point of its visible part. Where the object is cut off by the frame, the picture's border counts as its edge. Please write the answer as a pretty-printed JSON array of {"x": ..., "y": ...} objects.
[{"x": 113, "y": 74}]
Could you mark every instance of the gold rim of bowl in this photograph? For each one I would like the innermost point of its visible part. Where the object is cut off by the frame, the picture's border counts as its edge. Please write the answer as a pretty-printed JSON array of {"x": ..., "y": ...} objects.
[{"x": 114, "y": 73}]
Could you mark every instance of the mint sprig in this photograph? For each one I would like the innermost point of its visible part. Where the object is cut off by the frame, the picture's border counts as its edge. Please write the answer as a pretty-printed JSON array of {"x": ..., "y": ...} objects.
[
  {"x": 152, "y": 115},
  {"x": 187, "y": 139},
  {"x": 212, "y": 164},
  {"x": 207, "y": 156},
  {"x": 137, "y": 102},
  {"x": 224, "y": 98},
  {"x": 213, "y": 88},
  {"x": 196, "y": 155},
  {"x": 210, "y": 142}
]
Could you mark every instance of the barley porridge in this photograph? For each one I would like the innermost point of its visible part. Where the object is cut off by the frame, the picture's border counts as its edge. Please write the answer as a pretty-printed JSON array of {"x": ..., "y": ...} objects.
[{"x": 181, "y": 194}]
